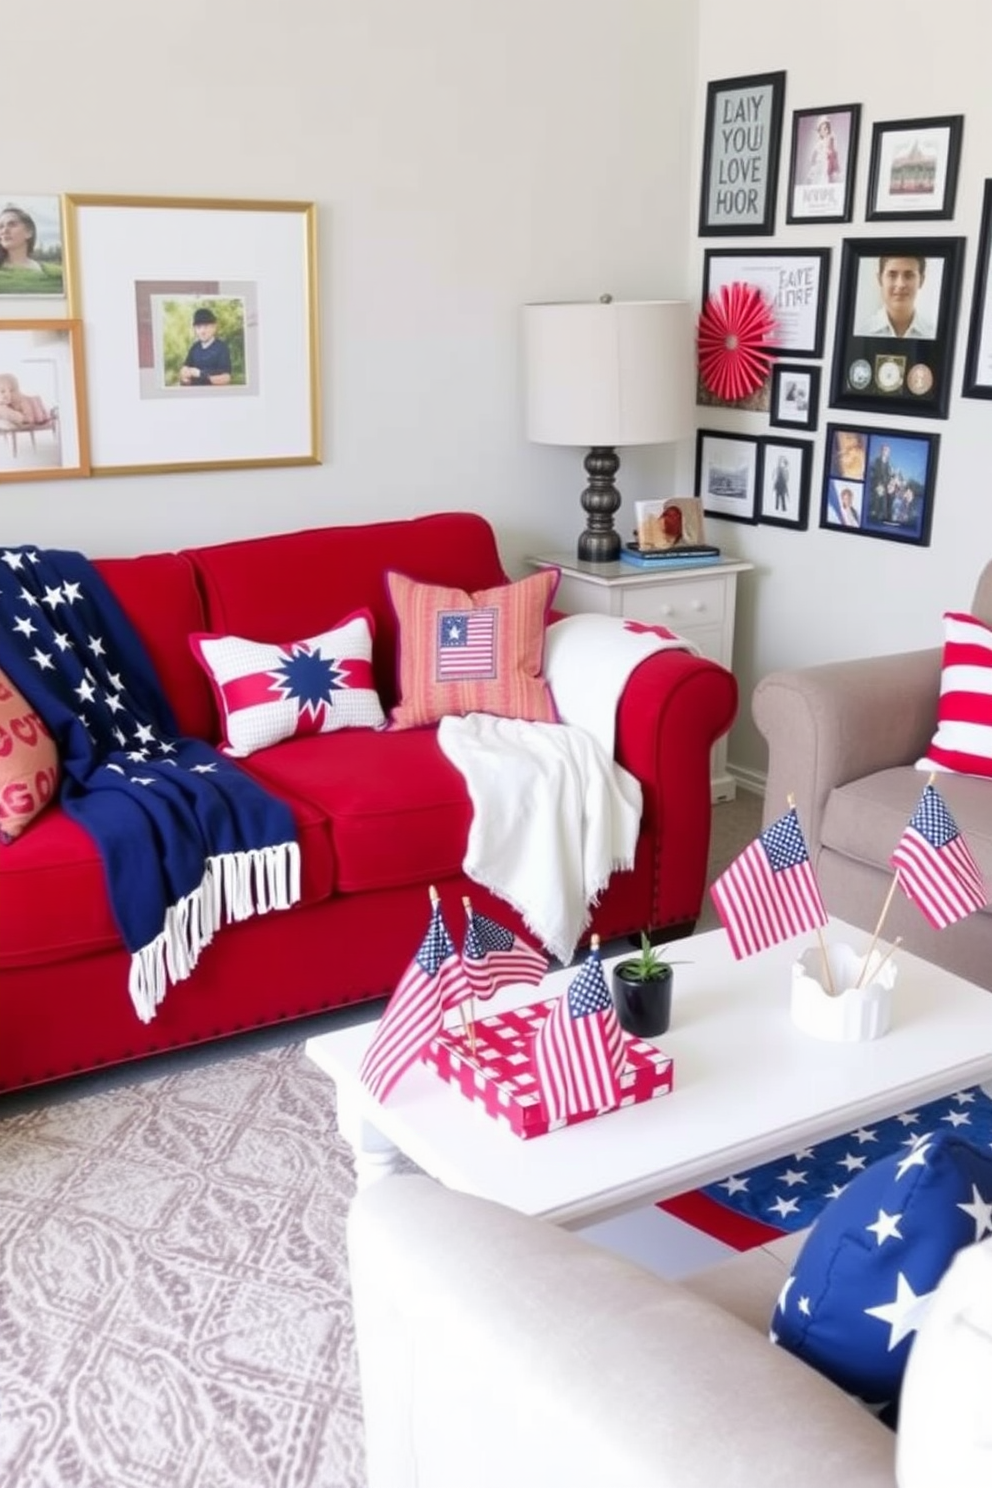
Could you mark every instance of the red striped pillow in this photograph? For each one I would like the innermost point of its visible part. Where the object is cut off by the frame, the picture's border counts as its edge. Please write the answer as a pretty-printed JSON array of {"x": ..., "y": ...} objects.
[{"x": 963, "y": 741}]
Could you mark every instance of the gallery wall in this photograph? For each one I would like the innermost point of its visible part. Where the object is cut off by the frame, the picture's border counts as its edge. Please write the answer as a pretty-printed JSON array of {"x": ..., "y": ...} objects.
[
  {"x": 463, "y": 159},
  {"x": 827, "y": 595}
]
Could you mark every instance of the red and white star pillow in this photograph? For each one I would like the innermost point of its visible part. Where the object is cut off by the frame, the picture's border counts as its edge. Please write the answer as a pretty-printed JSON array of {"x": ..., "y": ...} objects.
[{"x": 266, "y": 692}]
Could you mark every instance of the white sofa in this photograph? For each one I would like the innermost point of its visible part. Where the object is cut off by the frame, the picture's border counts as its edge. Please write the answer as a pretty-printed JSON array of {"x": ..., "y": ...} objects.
[{"x": 496, "y": 1350}]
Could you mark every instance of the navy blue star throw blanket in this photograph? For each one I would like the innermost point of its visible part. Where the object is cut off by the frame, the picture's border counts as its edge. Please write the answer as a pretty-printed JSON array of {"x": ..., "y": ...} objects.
[{"x": 188, "y": 841}]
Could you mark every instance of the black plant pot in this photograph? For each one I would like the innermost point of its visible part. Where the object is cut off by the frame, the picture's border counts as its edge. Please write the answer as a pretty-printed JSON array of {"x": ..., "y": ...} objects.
[{"x": 643, "y": 1008}]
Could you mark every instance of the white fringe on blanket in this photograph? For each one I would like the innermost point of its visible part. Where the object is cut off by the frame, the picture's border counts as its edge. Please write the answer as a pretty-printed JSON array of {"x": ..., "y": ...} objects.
[{"x": 234, "y": 886}]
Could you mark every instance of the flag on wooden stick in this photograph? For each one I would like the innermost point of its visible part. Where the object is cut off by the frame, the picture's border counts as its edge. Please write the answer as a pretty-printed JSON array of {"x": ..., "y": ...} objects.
[
  {"x": 934, "y": 865},
  {"x": 579, "y": 1048},
  {"x": 769, "y": 893},
  {"x": 433, "y": 980},
  {"x": 493, "y": 957}
]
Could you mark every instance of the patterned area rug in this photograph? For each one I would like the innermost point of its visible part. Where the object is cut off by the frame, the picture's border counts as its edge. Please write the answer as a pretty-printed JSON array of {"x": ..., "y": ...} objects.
[{"x": 174, "y": 1304}]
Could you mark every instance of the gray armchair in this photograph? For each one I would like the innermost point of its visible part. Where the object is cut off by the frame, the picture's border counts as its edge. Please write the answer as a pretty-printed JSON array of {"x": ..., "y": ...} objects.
[{"x": 843, "y": 740}]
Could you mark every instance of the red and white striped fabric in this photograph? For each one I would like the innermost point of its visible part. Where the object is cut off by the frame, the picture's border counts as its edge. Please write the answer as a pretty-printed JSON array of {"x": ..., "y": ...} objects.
[
  {"x": 579, "y": 1049},
  {"x": 962, "y": 744},
  {"x": 270, "y": 692}
]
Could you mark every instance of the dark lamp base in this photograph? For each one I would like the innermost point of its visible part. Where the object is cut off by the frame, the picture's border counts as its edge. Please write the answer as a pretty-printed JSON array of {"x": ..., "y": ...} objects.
[{"x": 600, "y": 543}]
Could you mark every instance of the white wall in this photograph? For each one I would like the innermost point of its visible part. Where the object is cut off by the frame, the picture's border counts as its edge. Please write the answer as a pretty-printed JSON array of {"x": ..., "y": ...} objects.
[
  {"x": 820, "y": 595},
  {"x": 465, "y": 157}
]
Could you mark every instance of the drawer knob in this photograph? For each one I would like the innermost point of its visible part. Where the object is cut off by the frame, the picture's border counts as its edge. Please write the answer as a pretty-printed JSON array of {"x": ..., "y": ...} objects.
[{"x": 697, "y": 604}]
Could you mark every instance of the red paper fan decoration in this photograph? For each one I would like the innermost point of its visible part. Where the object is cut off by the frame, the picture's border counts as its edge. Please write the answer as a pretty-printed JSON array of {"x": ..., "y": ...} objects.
[{"x": 735, "y": 325}]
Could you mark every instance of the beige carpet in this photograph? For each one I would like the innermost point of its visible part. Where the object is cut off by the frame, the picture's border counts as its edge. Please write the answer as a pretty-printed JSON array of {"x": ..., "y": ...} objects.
[{"x": 174, "y": 1306}]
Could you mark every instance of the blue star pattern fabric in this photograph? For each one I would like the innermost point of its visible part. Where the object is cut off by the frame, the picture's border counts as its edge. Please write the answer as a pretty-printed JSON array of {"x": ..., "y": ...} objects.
[
  {"x": 188, "y": 841},
  {"x": 861, "y": 1284},
  {"x": 792, "y": 1192}
]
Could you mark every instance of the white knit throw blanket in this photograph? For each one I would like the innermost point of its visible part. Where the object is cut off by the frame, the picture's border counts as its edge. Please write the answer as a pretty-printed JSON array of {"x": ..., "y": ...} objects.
[{"x": 553, "y": 815}]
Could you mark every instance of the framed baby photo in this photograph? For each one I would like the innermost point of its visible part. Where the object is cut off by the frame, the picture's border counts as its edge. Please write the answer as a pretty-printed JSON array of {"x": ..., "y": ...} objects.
[
  {"x": 204, "y": 352},
  {"x": 43, "y": 429},
  {"x": 783, "y": 483},
  {"x": 31, "y": 256},
  {"x": 896, "y": 321},
  {"x": 822, "y": 163},
  {"x": 879, "y": 483},
  {"x": 727, "y": 475},
  {"x": 795, "y": 396},
  {"x": 741, "y": 144},
  {"x": 914, "y": 169}
]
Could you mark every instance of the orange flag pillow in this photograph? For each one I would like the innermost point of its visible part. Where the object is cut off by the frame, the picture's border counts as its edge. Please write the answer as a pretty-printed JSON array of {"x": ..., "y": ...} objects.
[{"x": 29, "y": 763}]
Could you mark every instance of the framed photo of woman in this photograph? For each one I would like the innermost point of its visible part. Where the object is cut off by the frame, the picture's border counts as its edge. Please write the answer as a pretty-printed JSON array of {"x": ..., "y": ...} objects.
[
  {"x": 31, "y": 253},
  {"x": 783, "y": 483},
  {"x": 822, "y": 164}
]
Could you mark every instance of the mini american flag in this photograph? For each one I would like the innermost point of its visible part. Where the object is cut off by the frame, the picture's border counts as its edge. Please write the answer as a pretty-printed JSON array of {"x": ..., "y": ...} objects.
[
  {"x": 769, "y": 893},
  {"x": 466, "y": 644},
  {"x": 433, "y": 979},
  {"x": 494, "y": 957},
  {"x": 579, "y": 1048},
  {"x": 934, "y": 864}
]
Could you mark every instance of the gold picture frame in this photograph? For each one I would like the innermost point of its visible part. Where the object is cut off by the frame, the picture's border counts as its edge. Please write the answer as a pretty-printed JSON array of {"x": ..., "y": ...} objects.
[
  {"x": 43, "y": 422},
  {"x": 201, "y": 325}
]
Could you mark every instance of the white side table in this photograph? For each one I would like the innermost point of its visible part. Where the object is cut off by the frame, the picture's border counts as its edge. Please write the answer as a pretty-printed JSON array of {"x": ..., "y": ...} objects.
[{"x": 697, "y": 603}]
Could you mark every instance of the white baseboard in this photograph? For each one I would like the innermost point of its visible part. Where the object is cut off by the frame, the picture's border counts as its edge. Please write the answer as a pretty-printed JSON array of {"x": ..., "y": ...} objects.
[{"x": 749, "y": 780}]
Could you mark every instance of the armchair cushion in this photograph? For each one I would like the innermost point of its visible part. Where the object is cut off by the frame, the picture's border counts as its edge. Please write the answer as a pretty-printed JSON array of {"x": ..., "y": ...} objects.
[
  {"x": 465, "y": 653},
  {"x": 866, "y": 1273},
  {"x": 963, "y": 741}
]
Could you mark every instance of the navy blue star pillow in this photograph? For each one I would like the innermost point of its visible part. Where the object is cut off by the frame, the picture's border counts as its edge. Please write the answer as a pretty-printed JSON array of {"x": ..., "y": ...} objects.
[{"x": 862, "y": 1282}]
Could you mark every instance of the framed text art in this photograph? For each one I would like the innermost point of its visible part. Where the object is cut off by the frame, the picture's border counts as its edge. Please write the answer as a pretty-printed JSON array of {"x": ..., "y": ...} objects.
[
  {"x": 43, "y": 429},
  {"x": 727, "y": 475},
  {"x": 741, "y": 142},
  {"x": 783, "y": 483},
  {"x": 31, "y": 252},
  {"x": 795, "y": 396},
  {"x": 793, "y": 282},
  {"x": 978, "y": 361},
  {"x": 201, "y": 318},
  {"x": 914, "y": 169},
  {"x": 896, "y": 318},
  {"x": 879, "y": 483},
  {"x": 822, "y": 163}
]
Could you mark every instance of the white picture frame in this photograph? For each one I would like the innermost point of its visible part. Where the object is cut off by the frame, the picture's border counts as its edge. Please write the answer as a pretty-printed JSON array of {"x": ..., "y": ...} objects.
[{"x": 133, "y": 262}]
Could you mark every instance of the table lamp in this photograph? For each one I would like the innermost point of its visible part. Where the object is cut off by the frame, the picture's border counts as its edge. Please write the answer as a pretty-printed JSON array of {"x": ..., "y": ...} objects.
[{"x": 608, "y": 373}]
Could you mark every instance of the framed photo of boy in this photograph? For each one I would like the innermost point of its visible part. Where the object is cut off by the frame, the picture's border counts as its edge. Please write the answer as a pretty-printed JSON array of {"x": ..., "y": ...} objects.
[
  {"x": 913, "y": 172},
  {"x": 896, "y": 320},
  {"x": 879, "y": 483},
  {"x": 822, "y": 163},
  {"x": 978, "y": 361},
  {"x": 204, "y": 346},
  {"x": 727, "y": 475},
  {"x": 795, "y": 396},
  {"x": 783, "y": 483},
  {"x": 793, "y": 281},
  {"x": 741, "y": 142},
  {"x": 43, "y": 429}
]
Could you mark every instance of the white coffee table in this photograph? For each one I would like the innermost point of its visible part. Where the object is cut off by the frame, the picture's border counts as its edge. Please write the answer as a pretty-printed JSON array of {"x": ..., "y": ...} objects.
[{"x": 749, "y": 1087}]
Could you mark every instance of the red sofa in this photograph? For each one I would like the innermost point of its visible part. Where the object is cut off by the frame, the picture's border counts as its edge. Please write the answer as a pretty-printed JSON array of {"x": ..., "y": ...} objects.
[{"x": 380, "y": 815}]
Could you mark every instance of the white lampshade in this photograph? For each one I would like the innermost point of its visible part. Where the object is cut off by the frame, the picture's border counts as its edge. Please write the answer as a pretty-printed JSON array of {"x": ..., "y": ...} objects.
[{"x": 609, "y": 373}]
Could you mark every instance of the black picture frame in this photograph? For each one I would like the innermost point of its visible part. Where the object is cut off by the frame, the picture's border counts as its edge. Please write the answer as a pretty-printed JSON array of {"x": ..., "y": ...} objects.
[
  {"x": 783, "y": 483},
  {"x": 727, "y": 475},
  {"x": 823, "y": 163},
  {"x": 913, "y": 169},
  {"x": 889, "y": 477},
  {"x": 795, "y": 396},
  {"x": 741, "y": 143},
  {"x": 874, "y": 369},
  {"x": 978, "y": 356},
  {"x": 794, "y": 282}
]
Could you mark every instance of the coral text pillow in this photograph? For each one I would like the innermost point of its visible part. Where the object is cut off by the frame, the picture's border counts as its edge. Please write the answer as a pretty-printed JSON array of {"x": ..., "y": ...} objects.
[
  {"x": 29, "y": 762},
  {"x": 270, "y": 692},
  {"x": 963, "y": 741},
  {"x": 472, "y": 653},
  {"x": 863, "y": 1281}
]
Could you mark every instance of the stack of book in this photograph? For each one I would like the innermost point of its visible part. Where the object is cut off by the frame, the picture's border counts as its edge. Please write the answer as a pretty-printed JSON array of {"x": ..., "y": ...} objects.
[{"x": 682, "y": 555}]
